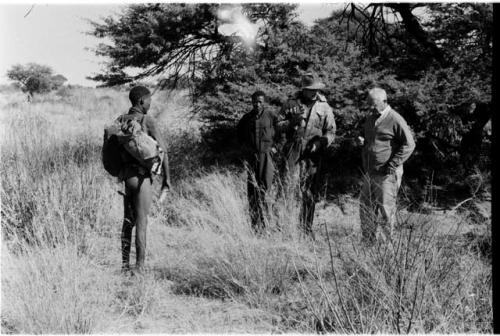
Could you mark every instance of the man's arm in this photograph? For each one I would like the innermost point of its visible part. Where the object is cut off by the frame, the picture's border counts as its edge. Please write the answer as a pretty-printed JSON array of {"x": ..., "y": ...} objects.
[
  {"x": 329, "y": 128},
  {"x": 244, "y": 138},
  {"x": 240, "y": 130},
  {"x": 404, "y": 137},
  {"x": 153, "y": 132}
]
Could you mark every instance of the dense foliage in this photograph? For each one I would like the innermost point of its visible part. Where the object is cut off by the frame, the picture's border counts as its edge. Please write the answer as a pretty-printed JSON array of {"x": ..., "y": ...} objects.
[{"x": 437, "y": 76}]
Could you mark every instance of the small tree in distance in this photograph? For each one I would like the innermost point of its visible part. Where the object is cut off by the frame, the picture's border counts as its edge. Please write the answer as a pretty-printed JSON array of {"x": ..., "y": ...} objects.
[{"x": 35, "y": 78}]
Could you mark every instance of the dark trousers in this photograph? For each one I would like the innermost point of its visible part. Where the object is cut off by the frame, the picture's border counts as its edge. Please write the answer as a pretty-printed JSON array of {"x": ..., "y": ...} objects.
[
  {"x": 137, "y": 201},
  {"x": 260, "y": 170},
  {"x": 310, "y": 187},
  {"x": 303, "y": 178}
]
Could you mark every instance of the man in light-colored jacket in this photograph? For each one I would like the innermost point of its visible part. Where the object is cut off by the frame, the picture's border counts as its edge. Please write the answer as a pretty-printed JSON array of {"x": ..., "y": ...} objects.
[
  {"x": 309, "y": 130},
  {"x": 387, "y": 144}
]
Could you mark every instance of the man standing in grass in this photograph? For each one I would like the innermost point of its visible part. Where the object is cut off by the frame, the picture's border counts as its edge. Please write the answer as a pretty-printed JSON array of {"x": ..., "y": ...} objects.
[
  {"x": 256, "y": 132},
  {"x": 310, "y": 129},
  {"x": 138, "y": 181},
  {"x": 388, "y": 142}
]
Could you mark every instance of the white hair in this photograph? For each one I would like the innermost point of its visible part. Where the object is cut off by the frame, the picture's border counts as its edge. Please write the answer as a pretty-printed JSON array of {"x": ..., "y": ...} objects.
[{"x": 378, "y": 93}]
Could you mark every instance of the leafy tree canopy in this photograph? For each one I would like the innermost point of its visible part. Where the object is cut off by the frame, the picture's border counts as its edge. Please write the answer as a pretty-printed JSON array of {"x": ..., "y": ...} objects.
[
  {"x": 35, "y": 78},
  {"x": 172, "y": 39}
]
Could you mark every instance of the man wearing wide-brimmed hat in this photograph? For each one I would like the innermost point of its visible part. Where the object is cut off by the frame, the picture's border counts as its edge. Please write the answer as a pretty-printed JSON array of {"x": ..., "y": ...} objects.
[{"x": 310, "y": 130}]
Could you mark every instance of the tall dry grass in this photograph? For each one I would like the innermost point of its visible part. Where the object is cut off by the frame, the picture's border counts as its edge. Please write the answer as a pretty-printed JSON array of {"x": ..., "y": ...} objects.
[
  {"x": 421, "y": 282},
  {"x": 53, "y": 290},
  {"x": 57, "y": 205},
  {"x": 61, "y": 221}
]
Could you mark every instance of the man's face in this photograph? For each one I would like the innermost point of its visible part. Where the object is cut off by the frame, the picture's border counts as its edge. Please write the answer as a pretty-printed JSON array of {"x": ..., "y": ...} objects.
[
  {"x": 376, "y": 103},
  {"x": 309, "y": 94},
  {"x": 146, "y": 102},
  {"x": 258, "y": 103}
]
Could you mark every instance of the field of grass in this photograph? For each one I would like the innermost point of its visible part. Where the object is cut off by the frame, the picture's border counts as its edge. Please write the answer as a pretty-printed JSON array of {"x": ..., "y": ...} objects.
[{"x": 207, "y": 272}]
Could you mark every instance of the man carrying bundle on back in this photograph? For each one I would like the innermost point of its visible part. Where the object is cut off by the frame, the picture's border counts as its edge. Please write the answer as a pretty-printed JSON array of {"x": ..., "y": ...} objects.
[{"x": 135, "y": 150}]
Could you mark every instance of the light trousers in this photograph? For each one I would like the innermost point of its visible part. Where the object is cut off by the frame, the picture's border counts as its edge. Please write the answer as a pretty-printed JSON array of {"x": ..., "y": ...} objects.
[{"x": 378, "y": 197}]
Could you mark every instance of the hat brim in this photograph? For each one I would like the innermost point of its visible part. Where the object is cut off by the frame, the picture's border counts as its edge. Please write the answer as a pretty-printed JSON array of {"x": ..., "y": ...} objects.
[{"x": 315, "y": 86}]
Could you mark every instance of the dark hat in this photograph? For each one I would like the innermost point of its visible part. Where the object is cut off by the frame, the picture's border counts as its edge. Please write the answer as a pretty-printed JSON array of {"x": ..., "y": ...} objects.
[
  {"x": 311, "y": 82},
  {"x": 137, "y": 92}
]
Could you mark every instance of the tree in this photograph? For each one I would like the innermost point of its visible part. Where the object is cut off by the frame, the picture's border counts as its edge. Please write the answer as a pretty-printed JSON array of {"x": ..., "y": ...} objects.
[
  {"x": 390, "y": 28},
  {"x": 57, "y": 81},
  {"x": 156, "y": 38},
  {"x": 172, "y": 40},
  {"x": 35, "y": 78}
]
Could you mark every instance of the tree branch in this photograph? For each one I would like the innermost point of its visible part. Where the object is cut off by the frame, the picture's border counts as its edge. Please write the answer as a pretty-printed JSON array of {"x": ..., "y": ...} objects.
[{"x": 29, "y": 11}]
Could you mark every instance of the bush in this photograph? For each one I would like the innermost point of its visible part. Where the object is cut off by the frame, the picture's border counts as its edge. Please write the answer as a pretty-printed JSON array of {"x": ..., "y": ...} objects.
[{"x": 425, "y": 282}]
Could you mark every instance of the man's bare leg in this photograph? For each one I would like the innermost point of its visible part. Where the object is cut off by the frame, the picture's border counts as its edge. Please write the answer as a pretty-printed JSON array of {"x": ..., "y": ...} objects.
[{"x": 140, "y": 188}]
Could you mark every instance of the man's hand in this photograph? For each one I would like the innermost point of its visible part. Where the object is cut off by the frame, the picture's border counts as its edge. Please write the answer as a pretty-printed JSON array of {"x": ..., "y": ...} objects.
[
  {"x": 165, "y": 188},
  {"x": 387, "y": 170},
  {"x": 360, "y": 141},
  {"x": 313, "y": 149},
  {"x": 295, "y": 113},
  {"x": 295, "y": 110},
  {"x": 163, "y": 194},
  {"x": 165, "y": 184}
]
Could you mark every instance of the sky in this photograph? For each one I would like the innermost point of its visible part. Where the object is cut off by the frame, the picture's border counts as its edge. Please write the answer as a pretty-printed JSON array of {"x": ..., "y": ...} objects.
[{"x": 54, "y": 35}]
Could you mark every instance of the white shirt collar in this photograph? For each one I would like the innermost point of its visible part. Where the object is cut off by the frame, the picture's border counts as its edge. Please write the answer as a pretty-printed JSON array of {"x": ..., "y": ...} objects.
[
  {"x": 382, "y": 115},
  {"x": 385, "y": 111}
]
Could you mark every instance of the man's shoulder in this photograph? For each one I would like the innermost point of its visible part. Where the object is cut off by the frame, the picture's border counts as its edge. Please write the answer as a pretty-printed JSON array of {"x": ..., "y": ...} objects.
[
  {"x": 394, "y": 116},
  {"x": 322, "y": 105},
  {"x": 149, "y": 121},
  {"x": 321, "y": 98},
  {"x": 245, "y": 117}
]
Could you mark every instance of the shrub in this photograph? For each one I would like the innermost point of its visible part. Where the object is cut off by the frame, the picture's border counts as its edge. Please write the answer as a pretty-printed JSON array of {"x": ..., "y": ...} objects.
[{"x": 424, "y": 281}]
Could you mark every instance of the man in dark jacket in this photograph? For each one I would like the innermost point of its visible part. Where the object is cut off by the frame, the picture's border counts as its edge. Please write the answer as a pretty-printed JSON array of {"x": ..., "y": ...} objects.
[
  {"x": 138, "y": 181},
  {"x": 310, "y": 129},
  {"x": 256, "y": 133}
]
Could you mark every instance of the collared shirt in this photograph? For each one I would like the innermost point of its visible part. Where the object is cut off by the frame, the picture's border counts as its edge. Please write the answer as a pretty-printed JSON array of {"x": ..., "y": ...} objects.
[
  {"x": 319, "y": 119},
  {"x": 382, "y": 115}
]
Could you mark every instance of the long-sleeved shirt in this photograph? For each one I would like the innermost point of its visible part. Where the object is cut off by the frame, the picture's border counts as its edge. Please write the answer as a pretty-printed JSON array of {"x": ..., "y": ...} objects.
[
  {"x": 388, "y": 141},
  {"x": 316, "y": 123},
  {"x": 318, "y": 118},
  {"x": 256, "y": 132}
]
